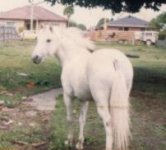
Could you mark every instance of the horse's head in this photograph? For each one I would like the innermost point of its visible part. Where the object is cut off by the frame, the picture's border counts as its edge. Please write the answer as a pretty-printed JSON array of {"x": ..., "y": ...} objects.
[{"x": 46, "y": 44}]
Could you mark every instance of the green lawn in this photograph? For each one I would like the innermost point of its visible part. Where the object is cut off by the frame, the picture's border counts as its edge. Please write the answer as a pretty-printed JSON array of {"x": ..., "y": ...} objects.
[
  {"x": 148, "y": 97},
  {"x": 15, "y": 60}
]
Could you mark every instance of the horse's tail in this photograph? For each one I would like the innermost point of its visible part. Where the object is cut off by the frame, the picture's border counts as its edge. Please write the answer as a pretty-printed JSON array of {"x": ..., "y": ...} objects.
[{"x": 119, "y": 103}]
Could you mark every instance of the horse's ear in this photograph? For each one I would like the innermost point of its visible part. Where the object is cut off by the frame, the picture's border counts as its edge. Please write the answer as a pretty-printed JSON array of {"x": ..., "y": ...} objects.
[{"x": 51, "y": 29}]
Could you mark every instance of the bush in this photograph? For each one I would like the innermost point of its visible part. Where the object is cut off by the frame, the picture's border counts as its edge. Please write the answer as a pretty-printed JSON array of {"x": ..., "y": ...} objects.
[
  {"x": 21, "y": 29},
  {"x": 162, "y": 35}
]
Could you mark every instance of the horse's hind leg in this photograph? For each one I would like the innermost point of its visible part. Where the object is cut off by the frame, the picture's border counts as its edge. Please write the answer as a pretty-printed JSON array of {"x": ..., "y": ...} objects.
[
  {"x": 82, "y": 121},
  {"x": 68, "y": 104},
  {"x": 101, "y": 97},
  {"x": 105, "y": 115}
]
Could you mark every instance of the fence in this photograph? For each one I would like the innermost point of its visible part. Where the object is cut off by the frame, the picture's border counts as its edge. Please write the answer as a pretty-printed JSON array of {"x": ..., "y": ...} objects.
[
  {"x": 102, "y": 35},
  {"x": 8, "y": 33}
]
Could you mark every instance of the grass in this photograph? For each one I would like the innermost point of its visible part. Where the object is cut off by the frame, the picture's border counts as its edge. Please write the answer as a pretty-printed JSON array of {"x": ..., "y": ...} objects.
[
  {"x": 147, "y": 98},
  {"x": 94, "y": 130},
  {"x": 15, "y": 60}
]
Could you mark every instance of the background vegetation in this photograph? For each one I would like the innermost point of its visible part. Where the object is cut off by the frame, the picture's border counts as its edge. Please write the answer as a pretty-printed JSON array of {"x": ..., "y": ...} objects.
[
  {"x": 114, "y": 5},
  {"x": 159, "y": 23}
]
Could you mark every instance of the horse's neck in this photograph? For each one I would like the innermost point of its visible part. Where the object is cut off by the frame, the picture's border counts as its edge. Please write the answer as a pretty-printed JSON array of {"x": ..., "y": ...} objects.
[{"x": 67, "y": 53}]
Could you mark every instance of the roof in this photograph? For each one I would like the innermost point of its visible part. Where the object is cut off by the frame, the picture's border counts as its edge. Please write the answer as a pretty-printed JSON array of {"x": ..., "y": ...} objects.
[
  {"x": 24, "y": 13},
  {"x": 129, "y": 21}
]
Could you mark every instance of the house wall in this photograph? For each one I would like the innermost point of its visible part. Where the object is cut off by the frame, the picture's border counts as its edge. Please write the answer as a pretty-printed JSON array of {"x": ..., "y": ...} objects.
[
  {"x": 18, "y": 24},
  {"x": 112, "y": 35},
  {"x": 124, "y": 28},
  {"x": 120, "y": 33},
  {"x": 56, "y": 23},
  {"x": 21, "y": 24}
]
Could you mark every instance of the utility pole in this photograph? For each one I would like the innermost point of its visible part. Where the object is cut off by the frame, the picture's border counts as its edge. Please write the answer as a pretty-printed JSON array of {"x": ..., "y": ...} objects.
[
  {"x": 105, "y": 27},
  {"x": 105, "y": 23},
  {"x": 32, "y": 12}
]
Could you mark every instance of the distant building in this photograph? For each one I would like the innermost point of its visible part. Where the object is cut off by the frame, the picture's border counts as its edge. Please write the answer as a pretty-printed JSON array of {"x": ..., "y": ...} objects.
[
  {"x": 20, "y": 18},
  {"x": 128, "y": 23},
  {"x": 120, "y": 30}
]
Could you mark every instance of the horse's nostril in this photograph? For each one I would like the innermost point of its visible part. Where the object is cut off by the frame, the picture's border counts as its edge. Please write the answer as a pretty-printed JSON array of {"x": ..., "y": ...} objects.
[{"x": 36, "y": 59}]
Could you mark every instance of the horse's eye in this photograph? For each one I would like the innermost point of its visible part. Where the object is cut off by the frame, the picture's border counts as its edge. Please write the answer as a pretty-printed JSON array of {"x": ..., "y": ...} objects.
[{"x": 48, "y": 40}]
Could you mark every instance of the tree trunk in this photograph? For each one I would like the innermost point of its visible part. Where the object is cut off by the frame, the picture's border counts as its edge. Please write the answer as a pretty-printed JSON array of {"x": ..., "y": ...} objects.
[{"x": 68, "y": 21}]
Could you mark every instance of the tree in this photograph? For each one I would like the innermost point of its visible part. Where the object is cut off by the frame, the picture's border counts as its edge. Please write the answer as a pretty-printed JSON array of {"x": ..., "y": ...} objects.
[
  {"x": 72, "y": 24},
  {"x": 68, "y": 11},
  {"x": 101, "y": 22},
  {"x": 81, "y": 26},
  {"x": 115, "y": 5},
  {"x": 159, "y": 22}
]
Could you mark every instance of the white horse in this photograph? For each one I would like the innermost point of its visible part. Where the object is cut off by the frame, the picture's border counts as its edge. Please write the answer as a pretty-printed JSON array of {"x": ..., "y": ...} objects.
[{"x": 105, "y": 76}]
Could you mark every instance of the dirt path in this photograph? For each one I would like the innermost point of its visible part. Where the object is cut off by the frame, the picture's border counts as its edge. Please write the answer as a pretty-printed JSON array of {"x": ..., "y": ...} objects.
[{"x": 45, "y": 101}]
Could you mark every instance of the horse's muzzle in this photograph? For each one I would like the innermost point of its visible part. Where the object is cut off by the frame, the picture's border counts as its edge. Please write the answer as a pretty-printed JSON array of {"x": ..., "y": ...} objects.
[{"x": 36, "y": 59}]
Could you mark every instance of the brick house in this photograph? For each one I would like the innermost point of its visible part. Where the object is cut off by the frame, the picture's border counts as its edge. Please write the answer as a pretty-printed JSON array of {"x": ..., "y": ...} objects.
[
  {"x": 128, "y": 23},
  {"x": 120, "y": 29}
]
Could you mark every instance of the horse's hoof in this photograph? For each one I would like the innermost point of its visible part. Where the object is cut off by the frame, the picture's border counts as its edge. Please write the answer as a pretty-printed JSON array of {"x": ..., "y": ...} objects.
[{"x": 79, "y": 146}]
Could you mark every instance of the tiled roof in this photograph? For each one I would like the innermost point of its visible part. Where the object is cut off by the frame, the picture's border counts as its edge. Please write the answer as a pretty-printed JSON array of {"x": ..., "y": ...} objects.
[
  {"x": 24, "y": 13},
  {"x": 128, "y": 21}
]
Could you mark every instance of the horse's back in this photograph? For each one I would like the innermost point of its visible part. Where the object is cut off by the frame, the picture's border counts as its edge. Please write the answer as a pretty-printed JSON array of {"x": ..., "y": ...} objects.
[{"x": 102, "y": 66}]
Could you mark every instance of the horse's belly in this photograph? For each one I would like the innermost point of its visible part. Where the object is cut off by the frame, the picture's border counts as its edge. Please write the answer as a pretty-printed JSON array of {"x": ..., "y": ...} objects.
[
  {"x": 81, "y": 90},
  {"x": 75, "y": 83},
  {"x": 83, "y": 95}
]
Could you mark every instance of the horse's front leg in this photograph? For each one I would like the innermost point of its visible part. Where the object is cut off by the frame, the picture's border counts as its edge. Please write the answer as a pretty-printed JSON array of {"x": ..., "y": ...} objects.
[
  {"x": 82, "y": 121},
  {"x": 68, "y": 104}
]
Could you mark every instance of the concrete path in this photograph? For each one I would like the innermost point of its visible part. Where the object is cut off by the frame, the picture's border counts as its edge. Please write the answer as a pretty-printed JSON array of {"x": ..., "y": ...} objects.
[{"x": 45, "y": 101}]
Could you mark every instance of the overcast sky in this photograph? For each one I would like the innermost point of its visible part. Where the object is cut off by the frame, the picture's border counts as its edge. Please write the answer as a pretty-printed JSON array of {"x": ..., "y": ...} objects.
[{"x": 89, "y": 17}]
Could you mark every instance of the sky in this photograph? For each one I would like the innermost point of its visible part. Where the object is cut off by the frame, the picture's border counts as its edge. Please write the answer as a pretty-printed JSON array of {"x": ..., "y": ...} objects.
[{"x": 89, "y": 17}]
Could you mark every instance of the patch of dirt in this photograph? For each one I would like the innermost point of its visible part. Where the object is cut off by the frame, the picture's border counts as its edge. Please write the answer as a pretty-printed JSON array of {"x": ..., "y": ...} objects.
[
  {"x": 25, "y": 116},
  {"x": 148, "y": 121},
  {"x": 30, "y": 119}
]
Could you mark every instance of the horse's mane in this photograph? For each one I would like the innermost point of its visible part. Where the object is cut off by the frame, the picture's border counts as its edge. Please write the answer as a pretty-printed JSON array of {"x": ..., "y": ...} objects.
[{"x": 76, "y": 36}]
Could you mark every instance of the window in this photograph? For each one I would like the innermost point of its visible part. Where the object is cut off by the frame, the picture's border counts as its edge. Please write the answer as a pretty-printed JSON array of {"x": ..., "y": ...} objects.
[
  {"x": 10, "y": 23},
  {"x": 126, "y": 29},
  {"x": 27, "y": 25},
  {"x": 120, "y": 28},
  {"x": 148, "y": 34}
]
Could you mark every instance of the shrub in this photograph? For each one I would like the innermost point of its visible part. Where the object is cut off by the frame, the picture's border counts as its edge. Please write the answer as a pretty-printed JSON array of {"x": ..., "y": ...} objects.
[
  {"x": 21, "y": 29},
  {"x": 162, "y": 35}
]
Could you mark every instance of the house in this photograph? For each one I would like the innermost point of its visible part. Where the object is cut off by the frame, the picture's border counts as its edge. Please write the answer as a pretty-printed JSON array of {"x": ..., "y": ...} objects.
[
  {"x": 20, "y": 18},
  {"x": 128, "y": 23},
  {"x": 121, "y": 29}
]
